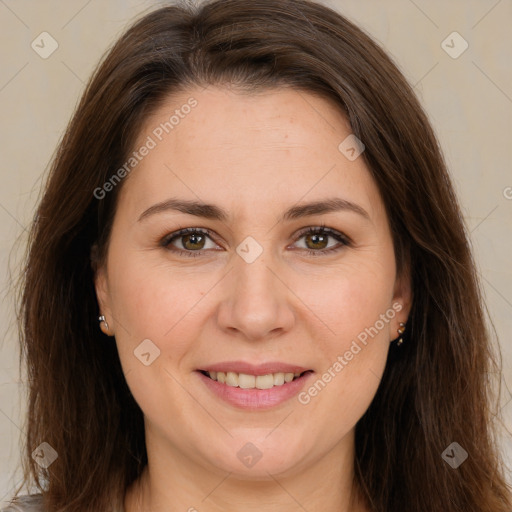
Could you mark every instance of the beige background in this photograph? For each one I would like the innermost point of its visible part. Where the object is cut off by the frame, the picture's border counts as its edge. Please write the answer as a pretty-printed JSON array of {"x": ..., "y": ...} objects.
[{"x": 469, "y": 100}]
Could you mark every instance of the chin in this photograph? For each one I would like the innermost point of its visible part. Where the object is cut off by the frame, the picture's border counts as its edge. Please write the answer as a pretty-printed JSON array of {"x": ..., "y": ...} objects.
[{"x": 252, "y": 457}]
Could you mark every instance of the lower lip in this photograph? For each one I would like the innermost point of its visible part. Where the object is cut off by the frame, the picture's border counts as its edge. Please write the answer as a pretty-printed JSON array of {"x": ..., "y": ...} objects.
[{"x": 256, "y": 399}]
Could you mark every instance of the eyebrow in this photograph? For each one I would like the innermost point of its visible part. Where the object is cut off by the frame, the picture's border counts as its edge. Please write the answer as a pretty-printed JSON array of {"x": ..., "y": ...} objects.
[{"x": 213, "y": 212}]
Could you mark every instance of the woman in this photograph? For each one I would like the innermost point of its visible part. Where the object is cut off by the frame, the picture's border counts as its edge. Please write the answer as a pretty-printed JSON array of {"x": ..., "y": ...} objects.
[{"x": 249, "y": 282}]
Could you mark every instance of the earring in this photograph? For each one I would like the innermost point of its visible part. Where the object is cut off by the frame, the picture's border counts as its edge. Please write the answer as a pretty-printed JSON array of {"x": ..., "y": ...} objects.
[
  {"x": 103, "y": 325},
  {"x": 400, "y": 330}
]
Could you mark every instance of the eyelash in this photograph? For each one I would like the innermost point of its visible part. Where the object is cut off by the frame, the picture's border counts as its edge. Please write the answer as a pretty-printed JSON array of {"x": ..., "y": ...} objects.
[{"x": 166, "y": 241}]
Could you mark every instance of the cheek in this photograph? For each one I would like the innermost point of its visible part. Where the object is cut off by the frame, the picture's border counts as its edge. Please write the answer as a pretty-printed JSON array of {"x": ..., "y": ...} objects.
[
  {"x": 151, "y": 302},
  {"x": 355, "y": 303},
  {"x": 351, "y": 297},
  {"x": 354, "y": 356}
]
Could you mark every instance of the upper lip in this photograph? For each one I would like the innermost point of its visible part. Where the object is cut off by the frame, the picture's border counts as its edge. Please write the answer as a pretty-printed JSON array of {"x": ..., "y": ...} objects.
[{"x": 254, "y": 369}]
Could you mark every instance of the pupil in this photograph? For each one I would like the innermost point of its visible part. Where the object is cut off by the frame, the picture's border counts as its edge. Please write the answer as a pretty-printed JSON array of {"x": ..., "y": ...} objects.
[
  {"x": 193, "y": 237},
  {"x": 316, "y": 238}
]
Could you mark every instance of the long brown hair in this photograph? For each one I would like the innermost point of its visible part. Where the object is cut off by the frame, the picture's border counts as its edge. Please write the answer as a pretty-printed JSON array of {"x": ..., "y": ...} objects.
[{"x": 437, "y": 388}]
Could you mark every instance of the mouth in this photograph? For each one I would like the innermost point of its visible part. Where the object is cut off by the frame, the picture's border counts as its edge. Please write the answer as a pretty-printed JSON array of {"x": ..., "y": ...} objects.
[
  {"x": 250, "y": 381},
  {"x": 254, "y": 387}
]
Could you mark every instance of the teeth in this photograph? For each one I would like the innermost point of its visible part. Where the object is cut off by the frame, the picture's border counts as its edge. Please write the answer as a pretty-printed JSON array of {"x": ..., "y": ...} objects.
[
  {"x": 245, "y": 381},
  {"x": 232, "y": 379},
  {"x": 265, "y": 381},
  {"x": 278, "y": 379}
]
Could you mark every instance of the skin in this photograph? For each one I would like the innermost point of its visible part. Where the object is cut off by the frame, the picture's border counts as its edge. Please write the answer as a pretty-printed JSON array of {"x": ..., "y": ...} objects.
[{"x": 254, "y": 155}]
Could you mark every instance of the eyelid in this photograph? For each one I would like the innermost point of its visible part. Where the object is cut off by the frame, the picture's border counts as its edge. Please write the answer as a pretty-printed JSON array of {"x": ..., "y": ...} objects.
[
  {"x": 319, "y": 228},
  {"x": 322, "y": 228},
  {"x": 166, "y": 240}
]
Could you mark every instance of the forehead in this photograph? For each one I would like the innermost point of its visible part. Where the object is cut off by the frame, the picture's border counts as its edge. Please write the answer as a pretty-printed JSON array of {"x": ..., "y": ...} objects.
[
  {"x": 226, "y": 116},
  {"x": 274, "y": 146}
]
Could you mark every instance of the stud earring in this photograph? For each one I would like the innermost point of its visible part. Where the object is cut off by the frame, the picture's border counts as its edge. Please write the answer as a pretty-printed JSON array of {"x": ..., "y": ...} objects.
[
  {"x": 103, "y": 325},
  {"x": 400, "y": 330}
]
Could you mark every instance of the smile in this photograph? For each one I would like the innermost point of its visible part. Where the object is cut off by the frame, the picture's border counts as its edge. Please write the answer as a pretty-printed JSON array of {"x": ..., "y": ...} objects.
[
  {"x": 247, "y": 381},
  {"x": 254, "y": 387}
]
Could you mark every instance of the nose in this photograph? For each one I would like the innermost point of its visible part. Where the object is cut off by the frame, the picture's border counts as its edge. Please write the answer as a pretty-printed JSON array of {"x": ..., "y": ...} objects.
[{"x": 257, "y": 301}]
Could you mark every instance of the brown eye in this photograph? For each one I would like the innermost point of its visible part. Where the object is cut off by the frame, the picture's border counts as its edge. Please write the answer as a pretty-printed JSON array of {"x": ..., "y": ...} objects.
[
  {"x": 316, "y": 240},
  {"x": 189, "y": 241},
  {"x": 193, "y": 242}
]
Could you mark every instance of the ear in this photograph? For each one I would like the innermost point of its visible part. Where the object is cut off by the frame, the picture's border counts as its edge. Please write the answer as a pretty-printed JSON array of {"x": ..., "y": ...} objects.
[
  {"x": 101, "y": 286},
  {"x": 402, "y": 294}
]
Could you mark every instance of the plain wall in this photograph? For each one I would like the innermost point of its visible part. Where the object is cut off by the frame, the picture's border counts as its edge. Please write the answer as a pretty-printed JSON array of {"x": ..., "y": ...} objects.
[{"x": 468, "y": 99}]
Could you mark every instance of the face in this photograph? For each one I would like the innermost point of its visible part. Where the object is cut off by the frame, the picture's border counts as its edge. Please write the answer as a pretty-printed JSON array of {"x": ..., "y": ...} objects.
[{"x": 260, "y": 284}]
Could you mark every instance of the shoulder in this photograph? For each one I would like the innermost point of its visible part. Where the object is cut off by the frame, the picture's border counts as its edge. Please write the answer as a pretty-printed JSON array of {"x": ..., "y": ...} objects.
[{"x": 27, "y": 503}]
